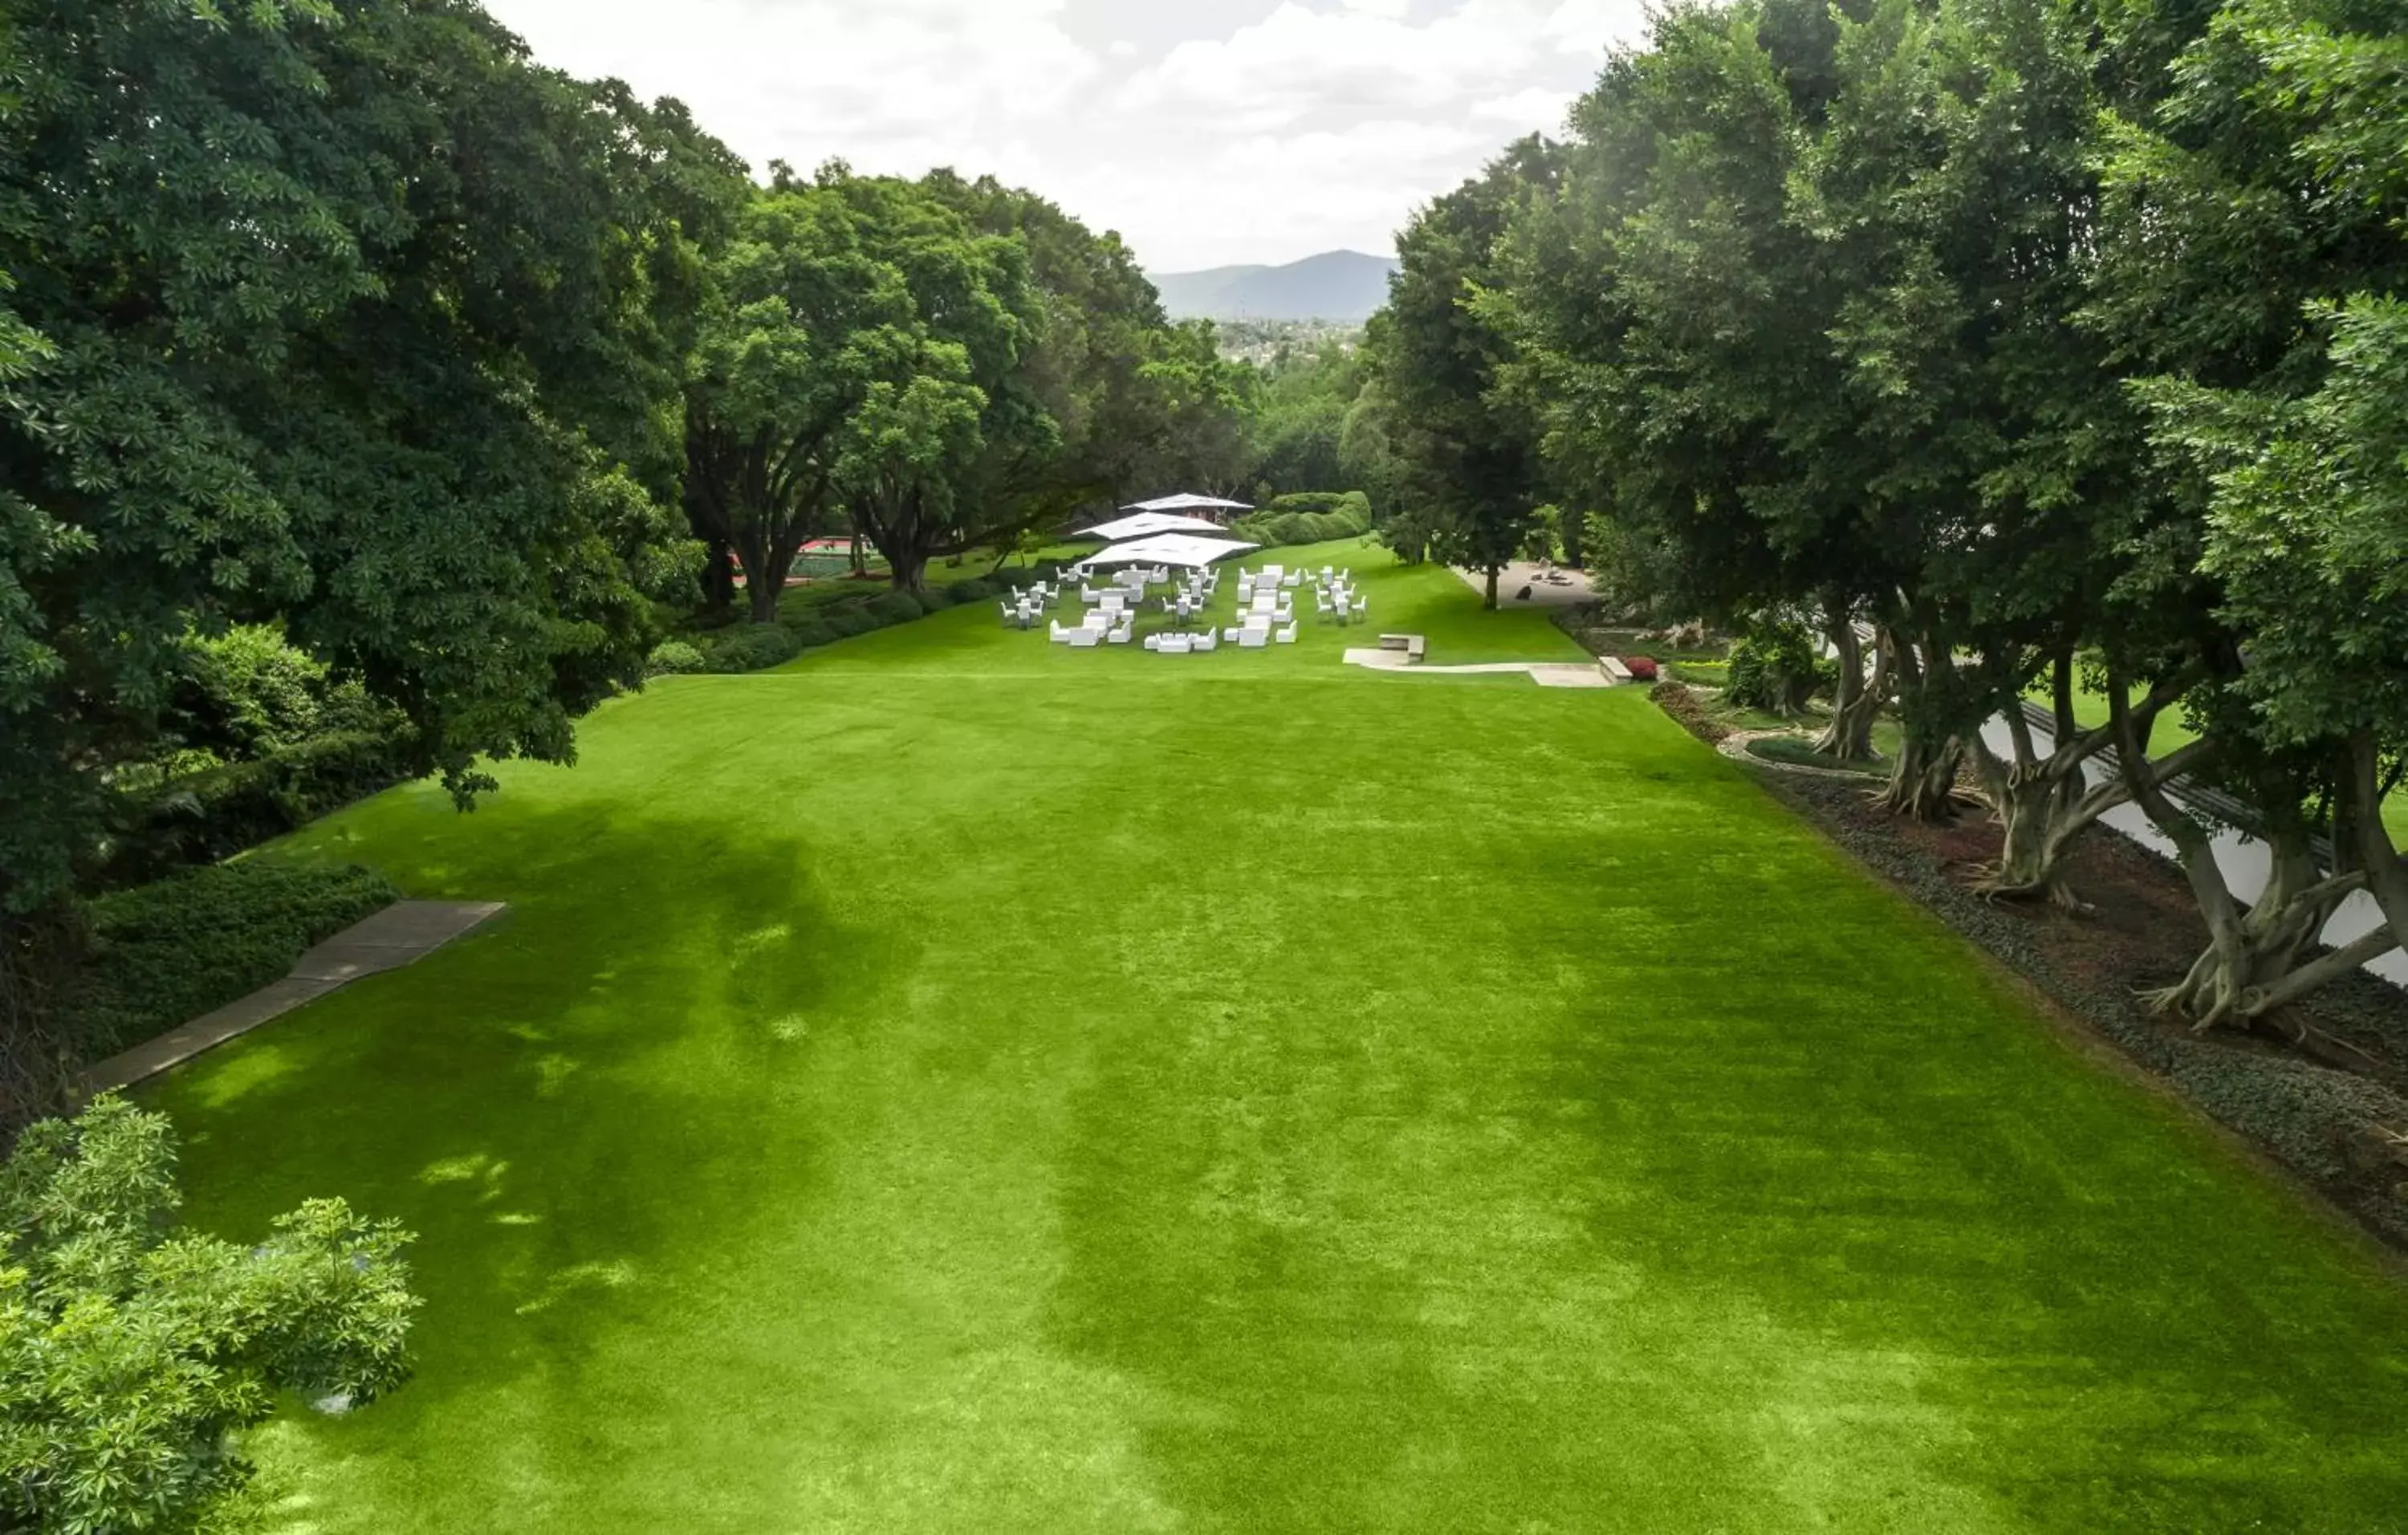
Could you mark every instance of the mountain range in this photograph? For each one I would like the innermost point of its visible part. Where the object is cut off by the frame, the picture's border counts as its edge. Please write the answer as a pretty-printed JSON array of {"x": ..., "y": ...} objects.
[{"x": 1341, "y": 285}]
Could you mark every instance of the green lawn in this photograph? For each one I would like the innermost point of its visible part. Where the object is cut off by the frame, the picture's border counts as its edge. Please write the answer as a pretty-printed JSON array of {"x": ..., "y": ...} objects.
[{"x": 956, "y": 1083}]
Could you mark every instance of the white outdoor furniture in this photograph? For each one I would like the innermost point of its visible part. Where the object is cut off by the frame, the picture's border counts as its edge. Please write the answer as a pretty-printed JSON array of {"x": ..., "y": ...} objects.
[
  {"x": 1254, "y": 639},
  {"x": 1293, "y": 578},
  {"x": 1321, "y": 602},
  {"x": 1121, "y": 635},
  {"x": 1084, "y": 640},
  {"x": 1286, "y": 636},
  {"x": 1176, "y": 644},
  {"x": 1061, "y": 634},
  {"x": 1208, "y": 640}
]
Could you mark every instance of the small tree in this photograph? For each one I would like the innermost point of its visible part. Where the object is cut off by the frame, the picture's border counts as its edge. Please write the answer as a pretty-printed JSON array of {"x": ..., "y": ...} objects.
[{"x": 130, "y": 1353}]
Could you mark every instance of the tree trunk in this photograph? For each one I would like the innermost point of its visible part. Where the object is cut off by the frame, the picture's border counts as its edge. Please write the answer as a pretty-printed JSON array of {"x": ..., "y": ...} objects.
[
  {"x": 2257, "y": 959},
  {"x": 1922, "y": 781},
  {"x": 2046, "y": 803},
  {"x": 1491, "y": 603},
  {"x": 38, "y": 951},
  {"x": 719, "y": 577},
  {"x": 909, "y": 570},
  {"x": 1849, "y": 736},
  {"x": 766, "y": 579}
]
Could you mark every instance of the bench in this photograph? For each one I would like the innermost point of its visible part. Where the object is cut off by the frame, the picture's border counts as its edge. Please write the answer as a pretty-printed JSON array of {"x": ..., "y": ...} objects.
[
  {"x": 1412, "y": 644},
  {"x": 1614, "y": 669}
]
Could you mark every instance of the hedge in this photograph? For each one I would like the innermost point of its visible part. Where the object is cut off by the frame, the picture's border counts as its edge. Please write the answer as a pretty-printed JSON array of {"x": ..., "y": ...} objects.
[
  {"x": 1308, "y": 519},
  {"x": 210, "y": 815},
  {"x": 162, "y": 954},
  {"x": 752, "y": 648}
]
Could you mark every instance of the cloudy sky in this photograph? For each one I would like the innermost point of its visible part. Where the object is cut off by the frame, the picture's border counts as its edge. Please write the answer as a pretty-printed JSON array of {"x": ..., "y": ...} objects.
[{"x": 1208, "y": 132}]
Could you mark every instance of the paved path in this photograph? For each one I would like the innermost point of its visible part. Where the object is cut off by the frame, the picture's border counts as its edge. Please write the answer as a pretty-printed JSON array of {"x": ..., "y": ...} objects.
[
  {"x": 1545, "y": 673},
  {"x": 401, "y": 934},
  {"x": 1512, "y": 578}
]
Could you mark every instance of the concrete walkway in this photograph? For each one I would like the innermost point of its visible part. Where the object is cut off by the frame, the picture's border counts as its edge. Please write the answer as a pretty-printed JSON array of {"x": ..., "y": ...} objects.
[
  {"x": 1545, "y": 673},
  {"x": 401, "y": 934},
  {"x": 1512, "y": 578}
]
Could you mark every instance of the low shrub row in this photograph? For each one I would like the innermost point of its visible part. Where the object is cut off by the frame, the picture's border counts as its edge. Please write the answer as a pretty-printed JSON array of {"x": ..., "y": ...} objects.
[
  {"x": 162, "y": 953},
  {"x": 202, "y": 817},
  {"x": 803, "y": 627},
  {"x": 1308, "y": 518}
]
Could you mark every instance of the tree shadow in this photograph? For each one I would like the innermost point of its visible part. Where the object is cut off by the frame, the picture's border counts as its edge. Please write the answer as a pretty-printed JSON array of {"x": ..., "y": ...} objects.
[{"x": 574, "y": 1109}]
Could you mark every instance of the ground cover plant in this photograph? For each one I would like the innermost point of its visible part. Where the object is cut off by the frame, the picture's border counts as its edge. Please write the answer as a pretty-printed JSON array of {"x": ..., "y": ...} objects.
[{"x": 955, "y": 1081}]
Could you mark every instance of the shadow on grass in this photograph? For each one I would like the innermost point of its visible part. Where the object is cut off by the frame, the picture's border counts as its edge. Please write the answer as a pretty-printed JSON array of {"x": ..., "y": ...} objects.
[{"x": 572, "y": 1111}]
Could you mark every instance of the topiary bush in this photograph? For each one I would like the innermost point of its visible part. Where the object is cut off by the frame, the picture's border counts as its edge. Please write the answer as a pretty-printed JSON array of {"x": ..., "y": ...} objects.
[
  {"x": 976, "y": 589},
  {"x": 755, "y": 647},
  {"x": 847, "y": 621},
  {"x": 162, "y": 954},
  {"x": 674, "y": 658},
  {"x": 894, "y": 608}
]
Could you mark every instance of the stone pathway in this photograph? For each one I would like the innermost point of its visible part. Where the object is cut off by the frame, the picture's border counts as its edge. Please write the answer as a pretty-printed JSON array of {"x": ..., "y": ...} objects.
[
  {"x": 401, "y": 934},
  {"x": 1545, "y": 673}
]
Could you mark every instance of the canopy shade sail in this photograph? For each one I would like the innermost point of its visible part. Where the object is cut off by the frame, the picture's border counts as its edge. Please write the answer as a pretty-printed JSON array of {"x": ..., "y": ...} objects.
[
  {"x": 1170, "y": 548},
  {"x": 1146, "y": 524},
  {"x": 1189, "y": 503}
]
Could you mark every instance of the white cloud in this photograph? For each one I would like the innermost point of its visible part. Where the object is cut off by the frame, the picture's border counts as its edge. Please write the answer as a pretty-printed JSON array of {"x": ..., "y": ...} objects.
[{"x": 1293, "y": 128}]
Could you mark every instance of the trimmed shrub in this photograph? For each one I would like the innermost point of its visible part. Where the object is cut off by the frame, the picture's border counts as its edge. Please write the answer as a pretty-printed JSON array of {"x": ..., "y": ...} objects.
[
  {"x": 894, "y": 608},
  {"x": 203, "y": 817},
  {"x": 810, "y": 631},
  {"x": 162, "y": 954},
  {"x": 976, "y": 589},
  {"x": 1308, "y": 518},
  {"x": 674, "y": 658},
  {"x": 755, "y": 647},
  {"x": 848, "y": 621}
]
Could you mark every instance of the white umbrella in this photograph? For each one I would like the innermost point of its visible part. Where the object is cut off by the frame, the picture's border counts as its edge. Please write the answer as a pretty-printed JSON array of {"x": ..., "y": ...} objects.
[
  {"x": 1146, "y": 524},
  {"x": 1189, "y": 503},
  {"x": 1170, "y": 549}
]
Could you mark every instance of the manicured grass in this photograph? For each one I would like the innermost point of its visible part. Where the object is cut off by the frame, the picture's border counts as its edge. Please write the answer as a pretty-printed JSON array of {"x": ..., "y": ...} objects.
[{"x": 956, "y": 1083}]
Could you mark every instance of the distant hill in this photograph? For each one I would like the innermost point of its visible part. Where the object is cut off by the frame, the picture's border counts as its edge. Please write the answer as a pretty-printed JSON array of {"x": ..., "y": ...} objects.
[{"x": 1342, "y": 285}]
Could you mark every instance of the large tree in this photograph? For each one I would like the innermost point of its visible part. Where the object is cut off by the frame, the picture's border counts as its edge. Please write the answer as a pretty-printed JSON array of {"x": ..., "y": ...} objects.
[
  {"x": 2255, "y": 235},
  {"x": 1469, "y": 455},
  {"x": 348, "y": 318}
]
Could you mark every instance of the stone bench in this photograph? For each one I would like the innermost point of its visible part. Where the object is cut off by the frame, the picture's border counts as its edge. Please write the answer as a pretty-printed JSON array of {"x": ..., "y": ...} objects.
[
  {"x": 1614, "y": 669},
  {"x": 1412, "y": 644}
]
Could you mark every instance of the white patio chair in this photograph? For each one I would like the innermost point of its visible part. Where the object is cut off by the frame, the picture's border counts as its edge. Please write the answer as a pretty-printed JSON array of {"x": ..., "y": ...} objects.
[
  {"x": 1065, "y": 636},
  {"x": 1293, "y": 578},
  {"x": 1321, "y": 602}
]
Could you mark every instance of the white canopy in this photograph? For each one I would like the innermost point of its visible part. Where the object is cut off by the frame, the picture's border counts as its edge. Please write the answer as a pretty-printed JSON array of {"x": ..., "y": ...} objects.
[
  {"x": 1189, "y": 503},
  {"x": 1170, "y": 549},
  {"x": 1146, "y": 524}
]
